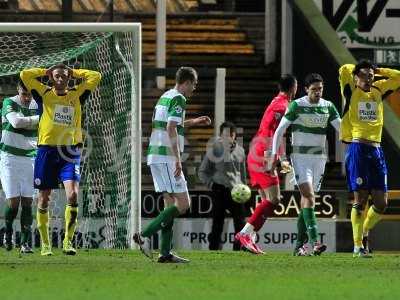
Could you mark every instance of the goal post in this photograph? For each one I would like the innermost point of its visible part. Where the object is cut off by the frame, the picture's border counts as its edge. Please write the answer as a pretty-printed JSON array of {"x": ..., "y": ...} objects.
[{"x": 111, "y": 117}]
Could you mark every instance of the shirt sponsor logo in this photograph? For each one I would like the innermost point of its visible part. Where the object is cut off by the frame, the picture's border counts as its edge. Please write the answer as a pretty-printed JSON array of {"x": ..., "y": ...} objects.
[
  {"x": 63, "y": 115},
  {"x": 367, "y": 111},
  {"x": 178, "y": 110},
  {"x": 315, "y": 120}
]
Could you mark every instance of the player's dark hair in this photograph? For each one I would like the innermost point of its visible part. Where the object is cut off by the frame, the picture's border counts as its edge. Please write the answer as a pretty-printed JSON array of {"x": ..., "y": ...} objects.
[
  {"x": 21, "y": 85},
  {"x": 312, "y": 78},
  {"x": 287, "y": 82},
  {"x": 184, "y": 74},
  {"x": 60, "y": 66},
  {"x": 363, "y": 64},
  {"x": 227, "y": 124}
]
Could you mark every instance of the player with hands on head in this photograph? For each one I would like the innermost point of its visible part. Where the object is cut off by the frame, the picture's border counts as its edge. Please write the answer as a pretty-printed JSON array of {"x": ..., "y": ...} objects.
[{"x": 59, "y": 142}]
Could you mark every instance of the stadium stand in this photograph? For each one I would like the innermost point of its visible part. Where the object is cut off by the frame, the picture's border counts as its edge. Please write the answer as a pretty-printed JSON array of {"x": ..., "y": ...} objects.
[{"x": 121, "y": 6}]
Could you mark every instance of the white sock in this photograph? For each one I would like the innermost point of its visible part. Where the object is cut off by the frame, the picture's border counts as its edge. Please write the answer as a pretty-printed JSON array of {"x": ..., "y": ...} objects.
[
  {"x": 254, "y": 236},
  {"x": 247, "y": 229},
  {"x": 356, "y": 249}
]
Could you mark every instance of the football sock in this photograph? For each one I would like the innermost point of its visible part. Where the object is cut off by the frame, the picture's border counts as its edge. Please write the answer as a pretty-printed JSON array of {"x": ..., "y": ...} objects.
[
  {"x": 262, "y": 211},
  {"x": 365, "y": 211},
  {"x": 42, "y": 219},
  {"x": 357, "y": 220},
  {"x": 373, "y": 217},
  {"x": 247, "y": 229},
  {"x": 9, "y": 216},
  {"x": 301, "y": 230},
  {"x": 71, "y": 216},
  {"x": 166, "y": 238},
  {"x": 165, "y": 217},
  {"x": 26, "y": 223},
  {"x": 254, "y": 236},
  {"x": 311, "y": 224}
]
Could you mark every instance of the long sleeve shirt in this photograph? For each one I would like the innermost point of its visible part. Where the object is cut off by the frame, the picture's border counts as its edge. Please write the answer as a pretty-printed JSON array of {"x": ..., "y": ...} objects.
[
  {"x": 19, "y": 128},
  {"x": 224, "y": 164},
  {"x": 60, "y": 116},
  {"x": 309, "y": 125},
  {"x": 363, "y": 111},
  {"x": 262, "y": 141}
]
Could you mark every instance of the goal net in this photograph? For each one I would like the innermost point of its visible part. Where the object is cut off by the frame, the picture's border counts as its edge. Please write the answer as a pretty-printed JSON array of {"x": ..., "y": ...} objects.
[{"x": 109, "y": 200}]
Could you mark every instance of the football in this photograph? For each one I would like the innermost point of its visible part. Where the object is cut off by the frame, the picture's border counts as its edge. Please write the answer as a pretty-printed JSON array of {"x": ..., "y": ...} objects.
[{"x": 241, "y": 193}]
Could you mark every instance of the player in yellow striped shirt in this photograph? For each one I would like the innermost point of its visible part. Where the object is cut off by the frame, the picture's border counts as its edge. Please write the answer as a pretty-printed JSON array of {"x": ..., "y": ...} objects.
[
  {"x": 361, "y": 127},
  {"x": 59, "y": 141}
]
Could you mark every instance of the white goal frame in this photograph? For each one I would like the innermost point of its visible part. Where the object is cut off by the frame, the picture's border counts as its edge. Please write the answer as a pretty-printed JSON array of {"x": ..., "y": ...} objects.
[{"x": 136, "y": 98}]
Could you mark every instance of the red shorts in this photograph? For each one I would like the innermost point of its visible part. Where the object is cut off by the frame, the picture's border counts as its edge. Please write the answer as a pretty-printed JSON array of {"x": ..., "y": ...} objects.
[{"x": 258, "y": 178}]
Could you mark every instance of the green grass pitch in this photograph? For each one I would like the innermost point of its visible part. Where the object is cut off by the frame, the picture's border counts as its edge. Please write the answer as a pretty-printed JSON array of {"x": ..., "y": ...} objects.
[{"x": 108, "y": 274}]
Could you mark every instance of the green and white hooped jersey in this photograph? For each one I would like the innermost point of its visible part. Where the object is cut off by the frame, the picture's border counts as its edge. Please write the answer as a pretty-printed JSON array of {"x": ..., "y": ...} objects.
[
  {"x": 309, "y": 123},
  {"x": 170, "y": 107},
  {"x": 18, "y": 141}
]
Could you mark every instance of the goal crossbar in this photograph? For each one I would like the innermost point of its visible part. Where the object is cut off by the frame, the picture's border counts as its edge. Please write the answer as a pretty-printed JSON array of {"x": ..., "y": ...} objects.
[{"x": 69, "y": 27}]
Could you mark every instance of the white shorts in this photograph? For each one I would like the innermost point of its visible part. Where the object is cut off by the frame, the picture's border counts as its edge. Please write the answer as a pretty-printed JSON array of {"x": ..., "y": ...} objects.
[
  {"x": 308, "y": 168},
  {"x": 16, "y": 174},
  {"x": 164, "y": 179}
]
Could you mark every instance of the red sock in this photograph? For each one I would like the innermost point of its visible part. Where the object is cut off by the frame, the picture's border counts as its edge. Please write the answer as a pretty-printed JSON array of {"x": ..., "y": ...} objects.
[{"x": 262, "y": 211}]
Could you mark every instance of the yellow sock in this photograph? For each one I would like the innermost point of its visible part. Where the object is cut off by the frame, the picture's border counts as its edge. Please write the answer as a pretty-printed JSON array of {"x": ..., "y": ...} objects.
[
  {"x": 42, "y": 219},
  {"x": 357, "y": 220},
  {"x": 373, "y": 217},
  {"x": 71, "y": 214},
  {"x": 365, "y": 211}
]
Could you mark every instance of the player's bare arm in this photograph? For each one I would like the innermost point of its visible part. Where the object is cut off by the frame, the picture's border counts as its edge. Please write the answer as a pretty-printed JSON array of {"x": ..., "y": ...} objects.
[
  {"x": 173, "y": 136},
  {"x": 199, "y": 121}
]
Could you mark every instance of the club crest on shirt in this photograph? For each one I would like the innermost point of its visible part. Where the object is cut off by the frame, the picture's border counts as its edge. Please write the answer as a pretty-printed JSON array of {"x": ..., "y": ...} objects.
[
  {"x": 178, "y": 109},
  {"x": 278, "y": 116}
]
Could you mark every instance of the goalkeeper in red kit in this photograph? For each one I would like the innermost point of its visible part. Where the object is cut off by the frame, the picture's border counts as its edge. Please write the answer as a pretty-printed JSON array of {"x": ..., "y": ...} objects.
[{"x": 266, "y": 183}]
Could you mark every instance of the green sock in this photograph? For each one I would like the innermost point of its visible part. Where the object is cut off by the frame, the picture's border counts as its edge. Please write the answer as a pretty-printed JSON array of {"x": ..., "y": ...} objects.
[
  {"x": 26, "y": 224},
  {"x": 311, "y": 223},
  {"x": 165, "y": 217},
  {"x": 301, "y": 230},
  {"x": 9, "y": 216},
  {"x": 166, "y": 238}
]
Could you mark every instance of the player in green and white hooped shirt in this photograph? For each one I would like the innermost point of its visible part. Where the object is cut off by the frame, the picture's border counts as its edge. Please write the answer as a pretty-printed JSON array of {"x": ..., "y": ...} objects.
[
  {"x": 18, "y": 150},
  {"x": 309, "y": 117},
  {"x": 164, "y": 159}
]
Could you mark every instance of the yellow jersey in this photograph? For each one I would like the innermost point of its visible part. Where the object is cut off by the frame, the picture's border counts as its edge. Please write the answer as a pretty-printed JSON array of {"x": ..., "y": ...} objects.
[
  {"x": 60, "y": 116},
  {"x": 363, "y": 111}
]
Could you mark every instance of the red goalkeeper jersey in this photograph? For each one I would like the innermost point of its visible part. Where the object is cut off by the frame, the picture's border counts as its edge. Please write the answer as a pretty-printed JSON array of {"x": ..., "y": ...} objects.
[{"x": 262, "y": 141}]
